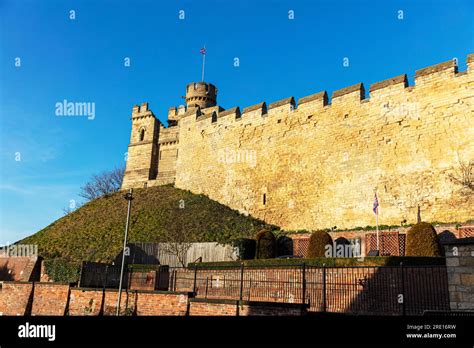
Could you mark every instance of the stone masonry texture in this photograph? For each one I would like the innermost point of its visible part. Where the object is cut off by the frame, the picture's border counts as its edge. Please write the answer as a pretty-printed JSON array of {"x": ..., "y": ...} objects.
[
  {"x": 316, "y": 164},
  {"x": 460, "y": 267}
]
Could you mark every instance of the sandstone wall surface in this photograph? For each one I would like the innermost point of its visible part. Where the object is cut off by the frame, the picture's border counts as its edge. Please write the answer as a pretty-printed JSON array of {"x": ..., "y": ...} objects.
[{"x": 318, "y": 165}]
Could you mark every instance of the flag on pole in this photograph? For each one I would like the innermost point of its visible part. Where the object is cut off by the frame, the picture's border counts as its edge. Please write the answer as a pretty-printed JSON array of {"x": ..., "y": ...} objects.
[
  {"x": 203, "y": 52},
  {"x": 376, "y": 205}
]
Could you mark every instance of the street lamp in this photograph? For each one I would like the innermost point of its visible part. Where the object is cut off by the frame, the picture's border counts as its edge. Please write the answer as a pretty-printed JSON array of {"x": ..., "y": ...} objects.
[{"x": 129, "y": 197}]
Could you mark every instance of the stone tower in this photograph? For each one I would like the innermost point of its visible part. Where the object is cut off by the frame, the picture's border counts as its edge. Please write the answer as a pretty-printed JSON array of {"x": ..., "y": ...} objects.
[
  {"x": 201, "y": 94},
  {"x": 142, "y": 151}
]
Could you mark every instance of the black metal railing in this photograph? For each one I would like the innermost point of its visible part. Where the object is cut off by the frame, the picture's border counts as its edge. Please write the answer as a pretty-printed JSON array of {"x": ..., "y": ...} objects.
[{"x": 389, "y": 290}]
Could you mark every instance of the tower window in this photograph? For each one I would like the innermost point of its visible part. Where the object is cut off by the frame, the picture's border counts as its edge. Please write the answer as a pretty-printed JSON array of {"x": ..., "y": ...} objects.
[
  {"x": 142, "y": 135},
  {"x": 160, "y": 155},
  {"x": 264, "y": 199}
]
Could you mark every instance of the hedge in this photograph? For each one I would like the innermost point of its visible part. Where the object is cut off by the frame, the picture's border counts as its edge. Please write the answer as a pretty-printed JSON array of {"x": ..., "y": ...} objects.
[
  {"x": 317, "y": 244},
  {"x": 330, "y": 262},
  {"x": 144, "y": 267},
  {"x": 284, "y": 246},
  {"x": 422, "y": 240},
  {"x": 266, "y": 245},
  {"x": 60, "y": 270},
  {"x": 246, "y": 248}
]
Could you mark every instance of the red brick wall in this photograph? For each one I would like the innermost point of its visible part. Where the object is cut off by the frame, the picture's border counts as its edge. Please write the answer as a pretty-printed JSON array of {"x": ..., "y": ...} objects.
[
  {"x": 207, "y": 307},
  {"x": 85, "y": 302},
  {"x": 212, "y": 309},
  {"x": 14, "y": 297},
  {"x": 50, "y": 298},
  {"x": 127, "y": 302},
  {"x": 151, "y": 303},
  {"x": 142, "y": 280},
  {"x": 16, "y": 268},
  {"x": 146, "y": 303}
]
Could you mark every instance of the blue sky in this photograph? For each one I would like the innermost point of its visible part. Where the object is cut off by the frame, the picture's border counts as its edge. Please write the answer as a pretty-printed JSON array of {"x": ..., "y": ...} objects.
[{"x": 82, "y": 60}]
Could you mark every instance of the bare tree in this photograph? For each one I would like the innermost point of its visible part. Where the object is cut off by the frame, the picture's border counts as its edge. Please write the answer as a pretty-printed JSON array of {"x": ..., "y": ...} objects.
[
  {"x": 103, "y": 184},
  {"x": 68, "y": 210},
  {"x": 176, "y": 241},
  {"x": 177, "y": 249},
  {"x": 464, "y": 175}
]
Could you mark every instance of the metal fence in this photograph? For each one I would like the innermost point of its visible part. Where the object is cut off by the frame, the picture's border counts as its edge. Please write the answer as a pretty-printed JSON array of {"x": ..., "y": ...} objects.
[
  {"x": 101, "y": 275},
  {"x": 385, "y": 290}
]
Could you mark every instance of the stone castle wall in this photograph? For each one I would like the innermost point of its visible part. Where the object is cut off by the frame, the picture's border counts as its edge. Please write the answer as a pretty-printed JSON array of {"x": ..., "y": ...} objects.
[
  {"x": 317, "y": 164},
  {"x": 460, "y": 267}
]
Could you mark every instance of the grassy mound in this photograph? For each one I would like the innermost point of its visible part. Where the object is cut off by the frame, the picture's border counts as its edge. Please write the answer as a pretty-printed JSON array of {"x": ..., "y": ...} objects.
[{"x": 95, "y": 231}]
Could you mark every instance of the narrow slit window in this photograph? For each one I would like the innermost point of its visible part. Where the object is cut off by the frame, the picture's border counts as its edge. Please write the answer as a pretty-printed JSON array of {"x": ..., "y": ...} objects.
[
  {"x": 264, "y": 199},
  {"x": 142, "y": 135}
]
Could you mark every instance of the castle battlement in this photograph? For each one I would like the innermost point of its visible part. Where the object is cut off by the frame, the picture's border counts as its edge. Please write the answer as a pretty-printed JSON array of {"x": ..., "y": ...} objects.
[
  {"x": 318, "y": 160},
  {"x": 349, "y": 96}
]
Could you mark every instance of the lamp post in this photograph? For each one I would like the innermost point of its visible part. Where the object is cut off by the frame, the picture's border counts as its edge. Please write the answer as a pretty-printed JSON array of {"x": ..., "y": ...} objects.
[{"x": 129, "y": 197}]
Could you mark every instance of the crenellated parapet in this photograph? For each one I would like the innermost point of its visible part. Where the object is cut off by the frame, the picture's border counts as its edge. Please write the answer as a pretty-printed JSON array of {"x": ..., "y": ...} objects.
[
  {"x": 201, "y": 94},
  {"x": 346, "y": 98},
  {"x": 141, "y": 111}
]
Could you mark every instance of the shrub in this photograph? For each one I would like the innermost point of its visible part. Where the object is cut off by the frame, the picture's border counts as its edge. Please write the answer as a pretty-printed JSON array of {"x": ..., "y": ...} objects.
[
  {"x": 266, "y": 245},
  {"x": 245, "y": 248},
  {"x": 422, "y": 241},
  {"x": 60, "y": 270},
  {"x": 317, "y": 244},
  {"x": 284, "y": 246},
  {"x": 326, "y": 261}
]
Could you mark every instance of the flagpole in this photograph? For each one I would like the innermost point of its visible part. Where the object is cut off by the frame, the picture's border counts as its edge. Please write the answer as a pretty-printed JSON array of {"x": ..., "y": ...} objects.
[
  {"x": 377, "y": 227},
  {"x": 203, "y": 63},
  {"x": 376, "y": 211}
]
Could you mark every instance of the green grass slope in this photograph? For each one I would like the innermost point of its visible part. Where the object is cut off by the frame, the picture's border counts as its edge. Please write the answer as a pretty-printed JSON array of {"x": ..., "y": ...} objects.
[{"x": 95, "y": 231}]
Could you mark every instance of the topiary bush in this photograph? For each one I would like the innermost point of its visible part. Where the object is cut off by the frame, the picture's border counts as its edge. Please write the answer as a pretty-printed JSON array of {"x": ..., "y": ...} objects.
[
  {"x": 317, "y": 244},
  {"x": 245, "y": 248},
  {"x": 284, "y": 246},
  {"x": 266, "y": 245},
  {"x": 422, "y": 240}
]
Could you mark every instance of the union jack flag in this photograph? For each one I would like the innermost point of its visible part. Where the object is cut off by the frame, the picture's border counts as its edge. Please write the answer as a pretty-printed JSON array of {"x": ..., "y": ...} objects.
[
  {"x": 376, "y": 205},
  {"x": 203, "y": 50}
]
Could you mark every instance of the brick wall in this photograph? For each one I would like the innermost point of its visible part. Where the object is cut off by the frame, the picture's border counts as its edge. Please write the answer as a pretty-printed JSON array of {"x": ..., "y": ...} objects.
[
  {"x": 143, "y": 302},
  {"x": 127, "y": 302},
  {"x": 460, "y": 267},
  {"x": 213, "y": 308},
  {"x": 85, "y": 301},
  {"x": 153, "y": 303},
  {"x": 50, "y": 298},
  {"x": 221, "y": 307},
  {"x": 142, "y": 280},
  {"x": 15, "y": 297},
  {"x": 18, "y": 268}
]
